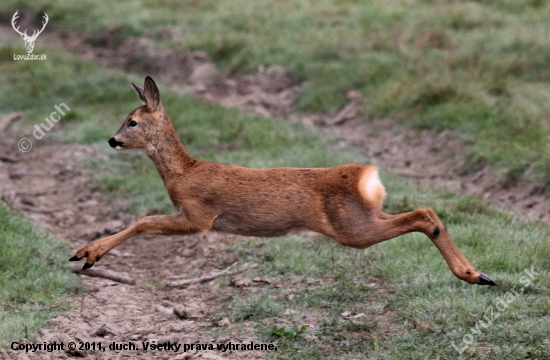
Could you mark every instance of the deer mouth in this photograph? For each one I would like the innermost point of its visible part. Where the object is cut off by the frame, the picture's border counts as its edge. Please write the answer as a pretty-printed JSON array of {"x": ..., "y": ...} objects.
[{"x": 117, "y": 145}]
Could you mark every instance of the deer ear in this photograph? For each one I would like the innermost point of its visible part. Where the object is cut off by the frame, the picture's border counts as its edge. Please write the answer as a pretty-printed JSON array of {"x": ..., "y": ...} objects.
[
  {"x": 151, "y": 93},
  {"x": 139, "y": 90}
]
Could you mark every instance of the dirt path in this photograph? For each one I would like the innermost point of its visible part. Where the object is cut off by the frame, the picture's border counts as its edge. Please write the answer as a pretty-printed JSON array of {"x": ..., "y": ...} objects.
[{"x": 48, "y": 185}]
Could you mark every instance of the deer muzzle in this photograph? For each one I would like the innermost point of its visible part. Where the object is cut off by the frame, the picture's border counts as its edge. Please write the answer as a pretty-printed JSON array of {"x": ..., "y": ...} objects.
[{"x": 115, "y": 144}]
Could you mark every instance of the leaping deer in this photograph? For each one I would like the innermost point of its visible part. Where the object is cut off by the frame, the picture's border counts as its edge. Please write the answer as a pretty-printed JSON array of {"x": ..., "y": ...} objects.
[
  {"x": 29, "y": 40},
  {"x": 342, "y": 202}
]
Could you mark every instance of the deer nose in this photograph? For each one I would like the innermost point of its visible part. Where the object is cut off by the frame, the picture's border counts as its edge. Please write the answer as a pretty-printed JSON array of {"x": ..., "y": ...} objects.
[{"x": 115, "y": 143}]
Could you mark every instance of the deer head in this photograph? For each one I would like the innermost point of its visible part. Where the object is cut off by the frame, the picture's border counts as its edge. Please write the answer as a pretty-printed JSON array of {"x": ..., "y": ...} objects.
[
  {"x": 29, "y": 40},
  {"x": 144, "y": 125}
]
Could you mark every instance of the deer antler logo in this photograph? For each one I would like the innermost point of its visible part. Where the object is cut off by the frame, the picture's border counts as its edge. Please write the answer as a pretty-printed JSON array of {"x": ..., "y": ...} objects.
[{"x": 29, "y": 40}]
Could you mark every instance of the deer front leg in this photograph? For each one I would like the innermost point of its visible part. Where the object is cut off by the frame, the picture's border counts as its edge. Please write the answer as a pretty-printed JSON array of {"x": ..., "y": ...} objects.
[{"x": 161, "y": 225}]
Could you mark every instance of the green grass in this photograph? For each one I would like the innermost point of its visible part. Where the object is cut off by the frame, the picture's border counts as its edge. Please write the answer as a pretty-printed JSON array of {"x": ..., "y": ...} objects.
[
  {"x": 414, "y": 285},
  {"x": 481, "y": 68},
  {"x": 426, "y": 308},
  {"x": 33, "y": 278}
]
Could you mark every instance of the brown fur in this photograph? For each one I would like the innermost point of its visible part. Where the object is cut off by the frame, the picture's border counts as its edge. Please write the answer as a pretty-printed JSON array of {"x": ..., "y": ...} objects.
[{"x": 343, "y": 202}]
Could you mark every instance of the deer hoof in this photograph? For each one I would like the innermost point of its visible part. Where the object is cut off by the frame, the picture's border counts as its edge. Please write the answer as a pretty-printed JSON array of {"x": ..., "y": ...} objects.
[
  {"x": 485, "y": 280},
  {"x": 75, "y": 258},
  {"x": 87, "y": 266}
]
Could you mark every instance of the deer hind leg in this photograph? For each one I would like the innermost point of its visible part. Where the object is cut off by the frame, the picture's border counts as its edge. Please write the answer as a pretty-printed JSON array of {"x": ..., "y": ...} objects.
[
  {"x": 380, "y": 227},
  {"x": 161, "y": 225},
  {"x": 384, "y": 227}
]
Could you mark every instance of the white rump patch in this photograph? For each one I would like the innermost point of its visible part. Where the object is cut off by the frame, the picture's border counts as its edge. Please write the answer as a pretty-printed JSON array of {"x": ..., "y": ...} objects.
[{"x": 371, "y": 187}]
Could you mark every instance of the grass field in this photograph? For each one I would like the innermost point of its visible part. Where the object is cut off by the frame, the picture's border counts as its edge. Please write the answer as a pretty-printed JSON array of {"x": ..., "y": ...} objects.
[
  {"x": 478, "y": 67},
  {"x": 406, "y": 277},
  {"x": 33, "y": 278}
]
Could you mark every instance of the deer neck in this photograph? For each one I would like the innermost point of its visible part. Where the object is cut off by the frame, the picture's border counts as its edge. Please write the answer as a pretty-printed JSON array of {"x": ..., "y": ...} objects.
[{"x": 168, "y": 154}]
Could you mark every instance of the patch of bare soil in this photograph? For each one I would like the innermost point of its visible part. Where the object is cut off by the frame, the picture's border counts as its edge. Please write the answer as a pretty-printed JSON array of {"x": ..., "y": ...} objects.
[
  {"x": 269, "y": 92},
  {"x": 429, "y": 158},
  {"x": 47, "y": 185}
]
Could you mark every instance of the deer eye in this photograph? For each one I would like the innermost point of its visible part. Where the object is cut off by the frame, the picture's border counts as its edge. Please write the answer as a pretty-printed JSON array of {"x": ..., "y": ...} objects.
[{"x": 132, "y": 123}]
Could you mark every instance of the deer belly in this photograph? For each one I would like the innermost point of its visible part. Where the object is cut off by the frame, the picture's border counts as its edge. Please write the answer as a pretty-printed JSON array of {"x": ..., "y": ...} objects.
[{"x": 257, "y": 224}]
